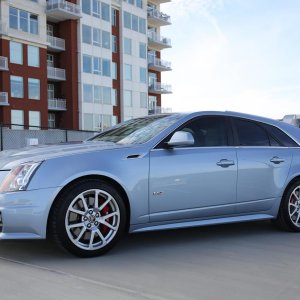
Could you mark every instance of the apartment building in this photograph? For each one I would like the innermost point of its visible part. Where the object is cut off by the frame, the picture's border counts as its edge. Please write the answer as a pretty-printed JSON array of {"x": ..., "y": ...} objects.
[{"x": 85, "y": 64}]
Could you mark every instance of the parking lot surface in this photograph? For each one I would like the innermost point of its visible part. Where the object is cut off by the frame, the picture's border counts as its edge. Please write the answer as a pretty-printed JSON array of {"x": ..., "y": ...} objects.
[{"x": 236, "y": 261}]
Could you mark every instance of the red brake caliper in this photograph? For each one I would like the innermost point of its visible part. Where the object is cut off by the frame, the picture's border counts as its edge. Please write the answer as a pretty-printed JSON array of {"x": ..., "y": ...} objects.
[{"x": 103, "y": 228}]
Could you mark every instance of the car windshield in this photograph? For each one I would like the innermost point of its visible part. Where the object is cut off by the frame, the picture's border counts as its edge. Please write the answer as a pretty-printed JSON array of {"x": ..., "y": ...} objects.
[{"x": 137, "y": 131}]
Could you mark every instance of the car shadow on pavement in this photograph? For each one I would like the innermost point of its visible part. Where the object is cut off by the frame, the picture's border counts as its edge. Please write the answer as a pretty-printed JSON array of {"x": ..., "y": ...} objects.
[{"x": 153, "y": 243}]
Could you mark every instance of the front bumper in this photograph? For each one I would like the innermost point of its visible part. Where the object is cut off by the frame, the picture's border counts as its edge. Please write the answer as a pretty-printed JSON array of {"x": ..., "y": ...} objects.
[{"x": 24, "y": 214}]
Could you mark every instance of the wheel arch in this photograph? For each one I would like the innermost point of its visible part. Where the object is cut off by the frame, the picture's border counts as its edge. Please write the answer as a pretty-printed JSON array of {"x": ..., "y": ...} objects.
[
  {"x": 108, "y": 180},
  {"x": 290, "y": 183}
]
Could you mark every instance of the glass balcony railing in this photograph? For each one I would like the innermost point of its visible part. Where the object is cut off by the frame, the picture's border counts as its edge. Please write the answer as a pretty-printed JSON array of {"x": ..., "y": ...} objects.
[
  {"x": 55, "y": 43},
  {"x": 160, "y": 88},
  {"x": 57, "y": 104},
  {"x": 56, "y": 74},
  {"x": 158, "y": 17},
  {"x": 157, "y": 41},
  {"x": 159, "y": 64}
]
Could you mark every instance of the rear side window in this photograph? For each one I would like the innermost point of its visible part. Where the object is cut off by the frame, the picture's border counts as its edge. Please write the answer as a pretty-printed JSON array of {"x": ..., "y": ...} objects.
[
  {"x": 250, "y": 133},
  {"x": 279, "y": 137}
]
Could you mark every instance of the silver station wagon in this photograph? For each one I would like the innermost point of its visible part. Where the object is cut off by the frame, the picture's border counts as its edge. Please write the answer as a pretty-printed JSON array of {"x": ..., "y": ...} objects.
[{"x": 152, "y": 173}]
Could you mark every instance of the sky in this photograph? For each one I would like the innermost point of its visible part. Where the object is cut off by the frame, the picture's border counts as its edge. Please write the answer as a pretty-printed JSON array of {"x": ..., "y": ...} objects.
[{"x": 238, "y": 55}]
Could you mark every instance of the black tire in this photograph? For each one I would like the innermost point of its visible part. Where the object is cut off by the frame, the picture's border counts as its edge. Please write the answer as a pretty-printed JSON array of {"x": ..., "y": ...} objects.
[
  {"x": 99, "y": 223},
  {"x": 289, "y": 212}
]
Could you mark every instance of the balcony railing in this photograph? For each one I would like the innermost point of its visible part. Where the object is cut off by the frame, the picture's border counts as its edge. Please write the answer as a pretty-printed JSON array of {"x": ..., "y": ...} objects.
[
  {"x": 157, "y": 17},
  {"x": 160, "y": 88},
  {"x": 61, "y": 10},
  {"x": 4, "y": 99},
  {"x": 3, "y": 63},
  {"x": 157, "y": 41},
  {"x": 57, "y": 104},
  {"x": 157, "y": 64},
  {"x": 160, "y": 110},
  {"x": 55, "y": 43},
  {"x": 56, "y": 74}
]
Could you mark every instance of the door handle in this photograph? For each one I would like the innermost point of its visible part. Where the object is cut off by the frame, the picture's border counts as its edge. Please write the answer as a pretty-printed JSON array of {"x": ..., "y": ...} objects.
[
  {"x": 225, "y": 163},
  {"x": 276, "y": 160}
]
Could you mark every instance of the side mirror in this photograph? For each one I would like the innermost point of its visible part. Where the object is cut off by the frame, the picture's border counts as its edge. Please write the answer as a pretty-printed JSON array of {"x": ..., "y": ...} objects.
[{"x": 181, "y": 138}]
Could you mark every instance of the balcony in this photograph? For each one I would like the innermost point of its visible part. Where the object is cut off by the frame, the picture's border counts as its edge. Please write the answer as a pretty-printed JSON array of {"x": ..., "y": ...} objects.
[
  {"x": 3, "y": 63},
  {"x": 157, "y": 42},
  {"x": 55, "y": 44},
  {"x": 56, "y": 74},
  {"x": 57, "y": 104},
  {"x": 160, "y": 110},
  {"x": 61, "y": 10},
  {"x": 4, "y": 99},
  {"x": 159, "y": 65},
  {"x": 160, "y": 1},
  {"x": 160, "y": 88},
  {"x": 157, "y": 18}
]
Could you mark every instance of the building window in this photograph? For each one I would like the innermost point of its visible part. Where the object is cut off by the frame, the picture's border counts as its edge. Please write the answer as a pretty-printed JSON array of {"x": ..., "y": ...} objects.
[
  {"x": 128, "y": 72},
  {"x": 105, "y": 13},
  {"x": 143, "y": 100},
  {"x": 88, "y": 93},
  {"x": 23, "y": 20},
  {"x": 17, "y": 118},
  {"x": 34, "y": 120},
  {"x": 51, "y": 120},
  {"x": 142, "y": 25},
  {"x": 97, "y": 94},
  {"x": 139, "y": 3},
  {"x": 127, "y": 46},
  {"x": 51, "y": 91},
  {"x": 96, "y": 8},
  {"x": 86, "y": 6},
  {"x": 106, "y": 67},
  {"x": 114, "y": 70},
  {"x": 114, "y": 97},
  {"x": 143, "y": 53},
  {"x": 16, "y": 87},
  {"x": 106, "y": 122},
  {"x": 106, "y": 95},
  {"x": 50, "y": 29},
  {"x": 135, "y": 23},
  {"x": 105, "y": 39},
  {"x": 114, "y": 44},
  {"x": 16, "y": 53},
  {"x": 113, "y": 17},
  {"x": 97, "y": 65},
  {"x": 33, "y": 56},
  {"x": 86, "y": 34},
  {"x": 143, "y": 75},
  {"x": 97, "y": 37},
  {"x": 128, "y": 98},
  {"x": 33, "y": 88},
  {"x": 127, "y": 20},
  {"x": 50, "y": 60},
  {"x": 87, "y": 63},
  {"x": 88, "y": 122}
]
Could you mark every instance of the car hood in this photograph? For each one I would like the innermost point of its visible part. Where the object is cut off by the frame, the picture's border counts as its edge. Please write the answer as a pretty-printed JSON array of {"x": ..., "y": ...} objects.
[{"x": 10, "y": 158}]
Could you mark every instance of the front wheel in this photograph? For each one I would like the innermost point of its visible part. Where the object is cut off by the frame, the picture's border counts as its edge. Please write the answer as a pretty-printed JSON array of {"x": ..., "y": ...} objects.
[
  {"x": 88, "y": 218},
  {"x": 289, "y": 213}
]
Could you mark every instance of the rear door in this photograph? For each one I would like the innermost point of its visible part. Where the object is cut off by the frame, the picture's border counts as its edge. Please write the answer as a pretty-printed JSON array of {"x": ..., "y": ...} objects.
[{"x": 263, "y": 166}]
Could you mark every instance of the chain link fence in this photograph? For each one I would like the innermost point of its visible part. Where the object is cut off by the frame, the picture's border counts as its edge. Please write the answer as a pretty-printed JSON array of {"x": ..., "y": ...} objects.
[{"x": 20, "y": 137}]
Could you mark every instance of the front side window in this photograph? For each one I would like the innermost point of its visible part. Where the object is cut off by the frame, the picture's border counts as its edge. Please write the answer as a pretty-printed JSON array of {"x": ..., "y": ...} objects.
[
  {"x": 16, "y": 87},
  {"x": 16, "y": 53},
  {"x": 250, "y": 133},
  {"x": 33, "y": 56},
  {"x": 34, "y": 88},
  {"x": 207, "y": 131}
]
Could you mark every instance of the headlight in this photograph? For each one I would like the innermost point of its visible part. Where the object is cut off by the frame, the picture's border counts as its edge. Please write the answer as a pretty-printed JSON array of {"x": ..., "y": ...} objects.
[{"x": 18, "y": 178}]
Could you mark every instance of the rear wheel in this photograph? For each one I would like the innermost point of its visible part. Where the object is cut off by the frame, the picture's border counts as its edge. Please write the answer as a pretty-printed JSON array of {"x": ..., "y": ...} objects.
[
  {"x": 289, "y": 212},
  {"x": 89, "y": 218}
]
